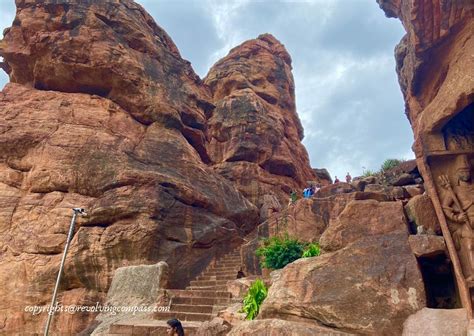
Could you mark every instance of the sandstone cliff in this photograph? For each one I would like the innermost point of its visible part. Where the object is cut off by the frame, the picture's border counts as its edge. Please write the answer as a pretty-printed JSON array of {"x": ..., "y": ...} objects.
[
  {"x": 102, "y": 112},
  {"x": 435, "y": 67},
  {"x": 434, "y": 62}
]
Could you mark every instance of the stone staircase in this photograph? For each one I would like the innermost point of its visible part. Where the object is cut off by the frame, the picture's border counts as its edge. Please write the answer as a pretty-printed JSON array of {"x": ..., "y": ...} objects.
[{"x": 199, "y": 302}]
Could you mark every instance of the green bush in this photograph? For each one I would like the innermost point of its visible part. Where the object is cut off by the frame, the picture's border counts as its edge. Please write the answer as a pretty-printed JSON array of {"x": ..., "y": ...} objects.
[
  {"x": 254, "y": 298},
  {"x": 278, "y": 252},
  {"x": 368, "y": 172},
  {"x": 389, "y": 164},
  {"x": 312, "y": 250}
]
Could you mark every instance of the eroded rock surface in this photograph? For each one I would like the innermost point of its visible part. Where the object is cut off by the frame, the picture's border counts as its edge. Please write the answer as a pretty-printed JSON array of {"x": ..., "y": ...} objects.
[
  {"x": 102, "y": 113},
  {"x": 276, "y": 327},
  {"x": 381, "y": 284},
  {"x": 70, "y": 150},
  {"x": 255, "y": 133}
]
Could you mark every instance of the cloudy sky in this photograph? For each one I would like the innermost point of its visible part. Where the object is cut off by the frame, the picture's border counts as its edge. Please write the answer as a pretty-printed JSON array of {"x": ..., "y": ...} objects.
[{"x": 347, "y": 94}]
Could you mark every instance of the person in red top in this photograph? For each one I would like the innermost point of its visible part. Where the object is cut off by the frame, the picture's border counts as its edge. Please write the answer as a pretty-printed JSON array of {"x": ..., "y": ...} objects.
[{"x": 336, "y": 180}]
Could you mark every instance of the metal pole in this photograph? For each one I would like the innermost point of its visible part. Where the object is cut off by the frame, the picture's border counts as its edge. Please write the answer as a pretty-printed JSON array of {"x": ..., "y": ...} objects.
[{"x": 53, "y": 300}]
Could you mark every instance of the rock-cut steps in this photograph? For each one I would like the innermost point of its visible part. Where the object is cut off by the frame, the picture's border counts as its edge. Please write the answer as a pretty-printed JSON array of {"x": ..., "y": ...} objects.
[{"x": 200, "y": 301}]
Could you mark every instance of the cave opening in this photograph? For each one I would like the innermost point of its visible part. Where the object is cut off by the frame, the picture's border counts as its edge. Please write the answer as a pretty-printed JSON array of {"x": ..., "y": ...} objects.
[
  {"x": 439, "y": 280},
  {"x": 459, "y": 131}
]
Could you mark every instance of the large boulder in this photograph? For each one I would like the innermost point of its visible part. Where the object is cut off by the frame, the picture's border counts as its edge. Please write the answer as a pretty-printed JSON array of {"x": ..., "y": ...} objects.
[
  {"x": 363, "y": 218},
  {"x": 255, "y": 133},
  {"x": 276, "y": 327},
  {"x": 420, "y": 211},
  {"x": 368, "y": 287},
  {"x": 437, "y": 322},
  {"x": 427, "y": 245},
  {"x": 134, "y": 292}
]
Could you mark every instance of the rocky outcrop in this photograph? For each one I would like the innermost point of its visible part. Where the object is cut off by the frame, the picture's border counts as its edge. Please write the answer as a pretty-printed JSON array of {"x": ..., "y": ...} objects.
[
  {"x": 255, "y": 134},
  {"x": 434, "y": 67},
  {"x": 70, "y": 149},
  {"x": 430, "y": 59},
  {"x": 110, "y": 49},
  {"x": 102, "y": 113},
  {"x": 381, "y": 284}
]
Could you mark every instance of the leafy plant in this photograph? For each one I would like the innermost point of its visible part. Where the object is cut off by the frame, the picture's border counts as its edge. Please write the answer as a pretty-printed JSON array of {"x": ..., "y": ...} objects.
[
  {"x": 368, "y": 172},
  {"x": 312, "y": 250},
  {"x": 389, "y": 164},
  {"x": 254, "y": 298},
  {"x": 277, "y": 252}
]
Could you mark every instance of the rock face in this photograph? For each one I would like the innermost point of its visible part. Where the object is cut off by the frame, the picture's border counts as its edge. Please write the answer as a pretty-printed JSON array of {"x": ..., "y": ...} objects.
[
  {"x": 109, "y": 49},
  {"x": 435, "y": 72},
  {"x": 431, "y": 58},
  {"x": 363, "y": 218},
  {"x": 254, "y": 130},
  {"x": 103, "y": 113},
  {"x": 76, "y": 149},
  {"x": 275, "y": 327},
  {"x": 381, "y": 284},
  {"x": 437, "y": 322}
]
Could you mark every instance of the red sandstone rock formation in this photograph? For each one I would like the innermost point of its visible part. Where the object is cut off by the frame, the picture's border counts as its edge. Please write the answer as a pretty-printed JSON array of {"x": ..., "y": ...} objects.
[
  {"x": 435, "y": 68},
  {"x": 369, "y": 287},
  {"x": 121, "y": 132},
  {"x": 254, "y": 130},
  {"x": 434, "y": 62}
]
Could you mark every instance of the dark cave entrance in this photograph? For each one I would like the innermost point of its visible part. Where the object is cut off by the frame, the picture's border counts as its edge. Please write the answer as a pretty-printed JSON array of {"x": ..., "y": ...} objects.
[
  {"x": 459, "y": 131},
  {"x": 440, "y": 283}
]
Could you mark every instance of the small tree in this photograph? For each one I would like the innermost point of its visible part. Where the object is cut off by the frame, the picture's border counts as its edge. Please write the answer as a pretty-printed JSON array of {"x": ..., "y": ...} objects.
[{"x": 254, "y": 298}]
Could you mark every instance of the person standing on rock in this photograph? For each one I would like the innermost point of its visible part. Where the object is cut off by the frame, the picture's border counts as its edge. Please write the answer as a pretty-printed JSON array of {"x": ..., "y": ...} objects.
[
  {"x": 348, "y": 178},
  {"x": 336, "y": 180},
  {"x": 174, "y": 328}
]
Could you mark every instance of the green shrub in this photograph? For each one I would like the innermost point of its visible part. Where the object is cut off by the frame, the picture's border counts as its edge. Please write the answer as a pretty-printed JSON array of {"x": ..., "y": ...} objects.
[
  {"x": 312, "y": 250},
  {"x": 254, "y": 298},
  {"x": 389, "y": 164},
  {"x": 368, "y": 172},
  {"x": 277, "y": 252}
]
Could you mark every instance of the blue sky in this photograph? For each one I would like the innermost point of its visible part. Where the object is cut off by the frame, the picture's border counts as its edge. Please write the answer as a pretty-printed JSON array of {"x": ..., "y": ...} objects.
[{"x": 347, "y": 94}]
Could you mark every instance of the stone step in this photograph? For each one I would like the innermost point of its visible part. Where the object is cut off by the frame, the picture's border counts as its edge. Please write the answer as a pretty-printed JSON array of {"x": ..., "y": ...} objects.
[
  {"x": 190, "y": 308},
  {"x": 218, "y": 277},
  {"x": 195, "y": 293},
  {"x": 228, "y": 264},
  {"x": 208, "y": 282},
  {"x": 229, "y": 259},
  {"x": 202, "y": 300},
  {"x": 183, "y": 316},
  {"x": 149, "y": 328},
  {"x": 220, "y": 288},
  {"x": 213, "y": 271},
  {"x": 223, "y": 269}
]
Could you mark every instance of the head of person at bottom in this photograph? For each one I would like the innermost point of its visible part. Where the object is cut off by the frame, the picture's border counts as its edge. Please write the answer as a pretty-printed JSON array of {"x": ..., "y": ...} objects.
[{"x": 174, "y": 328}]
